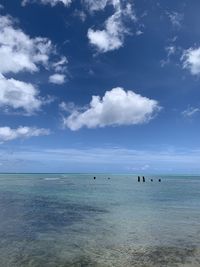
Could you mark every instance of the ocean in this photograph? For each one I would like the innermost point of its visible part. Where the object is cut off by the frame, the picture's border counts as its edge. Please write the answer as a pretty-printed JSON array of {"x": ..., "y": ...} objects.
[{"x": 73, "y": 220}]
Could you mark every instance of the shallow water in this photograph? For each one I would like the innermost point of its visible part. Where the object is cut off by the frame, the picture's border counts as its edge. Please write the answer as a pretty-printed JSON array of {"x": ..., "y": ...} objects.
[{"x": 61, "y": 220}]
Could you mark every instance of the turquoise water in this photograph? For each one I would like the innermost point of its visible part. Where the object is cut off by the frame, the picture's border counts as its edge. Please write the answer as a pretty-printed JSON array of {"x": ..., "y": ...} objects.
[{"x": 61, "y": 220}]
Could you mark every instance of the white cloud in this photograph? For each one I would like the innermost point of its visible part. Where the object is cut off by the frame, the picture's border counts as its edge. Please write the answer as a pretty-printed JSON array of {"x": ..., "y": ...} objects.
[
  {"x": 50, "y": 2},
  {"x": 18, "y": 52},
  {"x": 80, "y": 14},
  {"x": 111, "y": 38},
  {"x": 190, "y": 111},
  {"x": 96, "y": 5},
  {"x": 117, "y": 107},
  {"x": 60, "y": 66},
  {"x": 57, "y": 78},
  {"x": 170, "y": 50},
  {"x": 113, "y": 34},
  {"x": 139, "y": 32},
  {"x": 19, "y": 95},
  {"x": 68, "y": 107},
  {"x": 175, "y": 18},
  {"x": 7, "y": 133},
  {"x": 191, "y": 60}
]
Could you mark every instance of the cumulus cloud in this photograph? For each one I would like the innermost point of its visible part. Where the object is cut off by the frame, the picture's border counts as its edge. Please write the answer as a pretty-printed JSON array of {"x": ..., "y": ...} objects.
[
  {"x": 19, "y": 95},
  {"x": 191, "y": 60},
  {"x": 7, "y": 133},
  {"x": 111, "y": 38},
  {"x": 48, "y": 2},
  {"x": 117, "y": 107},
  {"x": 18, "y": 52},
  {"x": 113, "y": 34},
  {"x": 57, "y": 78}
]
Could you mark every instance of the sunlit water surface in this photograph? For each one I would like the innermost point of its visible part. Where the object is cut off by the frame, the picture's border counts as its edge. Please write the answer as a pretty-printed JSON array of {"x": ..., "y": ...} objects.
[{"x": 65, "y": 220}]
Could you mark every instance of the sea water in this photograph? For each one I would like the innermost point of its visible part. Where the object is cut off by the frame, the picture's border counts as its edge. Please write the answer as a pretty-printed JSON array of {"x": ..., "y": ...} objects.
[{"x": 73, "y": 220}]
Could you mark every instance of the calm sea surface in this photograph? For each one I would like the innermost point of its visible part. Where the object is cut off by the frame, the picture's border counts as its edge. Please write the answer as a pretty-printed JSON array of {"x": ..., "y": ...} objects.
[{"x": 72, "y": 220}]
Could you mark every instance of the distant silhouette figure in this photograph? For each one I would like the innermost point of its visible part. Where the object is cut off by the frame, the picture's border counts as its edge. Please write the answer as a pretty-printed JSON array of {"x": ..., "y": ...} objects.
[
  {"x": 143, "y": 179},
  {"x": 159, "y": 180},
  {"x": 151, "y": 180},
  {"x": 138, "y": 179},
  {"x": 108, "y": 178},
  {"x": 94, "y": 177}
]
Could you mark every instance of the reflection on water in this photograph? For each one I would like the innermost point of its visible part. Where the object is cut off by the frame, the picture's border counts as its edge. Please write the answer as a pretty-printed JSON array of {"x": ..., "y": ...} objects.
[{"x": 72, "y": 220}]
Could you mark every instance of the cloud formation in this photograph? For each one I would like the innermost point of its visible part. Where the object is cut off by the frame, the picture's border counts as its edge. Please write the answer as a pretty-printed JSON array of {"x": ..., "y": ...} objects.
[
  {"x": 117, "y": 107},
  {"x": 115, "y": 29},
  {"x": 7, "y": 133},
  {"x": 175, "y": 18},
  {"x": 19, "y": 95},
  {"x": 57, "y": 78},
  {"x": 191, "y": 60},
  {"x": 97, "y": 5},
  {"x": 111, "y": 38},
  {"x": 60, "y": 66},
  {"x": 190, "y": 111},
  {"x": 48, "y": 2},
  {"x": 170, "y": 50},
  {"x": 112, "y": 35},
  {"x": 18, "y": 52}
]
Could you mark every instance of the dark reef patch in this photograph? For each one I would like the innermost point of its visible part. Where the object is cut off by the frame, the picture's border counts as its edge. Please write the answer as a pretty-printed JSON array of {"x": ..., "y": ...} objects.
[{"x": 23, "y": 217}]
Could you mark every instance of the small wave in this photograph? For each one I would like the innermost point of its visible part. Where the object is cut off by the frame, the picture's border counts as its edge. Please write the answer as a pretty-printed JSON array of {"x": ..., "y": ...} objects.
[
  {"x": 65, "y": 176},
  {"x": 51, "y": 178}
]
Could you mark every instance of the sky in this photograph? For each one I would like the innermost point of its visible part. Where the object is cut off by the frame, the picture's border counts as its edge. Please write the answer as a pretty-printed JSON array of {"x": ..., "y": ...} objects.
[{"x": 100, "y": 86}]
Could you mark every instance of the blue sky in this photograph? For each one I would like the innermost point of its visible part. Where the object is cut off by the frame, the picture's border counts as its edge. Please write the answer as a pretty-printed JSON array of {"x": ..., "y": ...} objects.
[{"x": 99, "y": 86}]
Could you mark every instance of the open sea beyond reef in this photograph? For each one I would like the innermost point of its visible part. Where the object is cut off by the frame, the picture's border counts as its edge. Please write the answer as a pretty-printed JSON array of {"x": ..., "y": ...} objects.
[{"x": 72, "y": 220}]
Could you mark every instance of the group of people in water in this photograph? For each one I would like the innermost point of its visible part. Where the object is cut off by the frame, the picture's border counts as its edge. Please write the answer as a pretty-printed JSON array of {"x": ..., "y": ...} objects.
[{"x": 143, "y": 179}]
